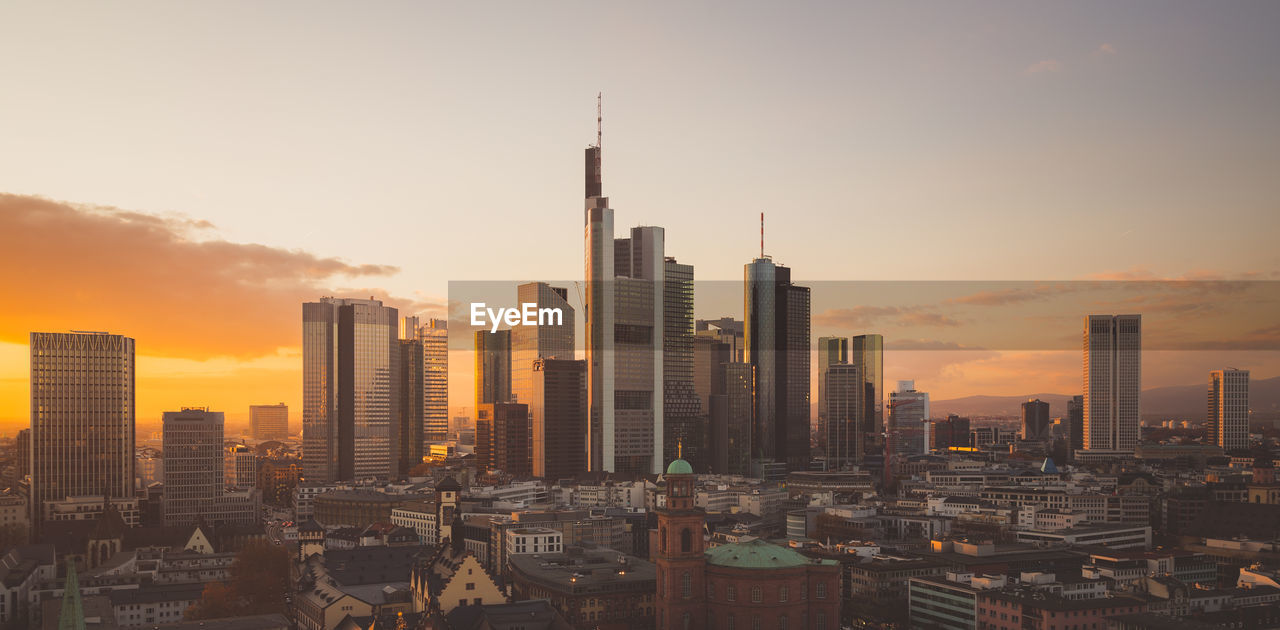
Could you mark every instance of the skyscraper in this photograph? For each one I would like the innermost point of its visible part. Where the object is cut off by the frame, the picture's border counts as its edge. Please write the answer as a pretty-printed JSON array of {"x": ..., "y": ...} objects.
[
  {"x": 908, "y": 415},
  {"x": 867, "y": 352},
  {"x": 435, "y": 380},
  {"x": 843, "y": 397},
  {"x": 351, "y": 393},
  {"x": 1075, "y": 423},
  {"x": 194, "y": 472},
  {"x": 493, "y": 366},
  {"x": 1036, "y": 424},
  {"x": 82, "y": 418},
  {"x": 410, "y": 377},
  {"x": 685, "y": 432},
  {"x": 624, "y": 336},
  {"x": 729, "y": 433},
  {"x": 1227, "y": 424},
  {"x": 831, "y": 350},
  {"x": 502, "y": 439},
  {"x": 559, "y": 447},
  {"x": 529, "y": 343},
  {"x": 777, "y": 346},
  {"x": 269, "y": 422},
  {"x": 1112, "y": 383},
  {"x": 423, "y": 379}
]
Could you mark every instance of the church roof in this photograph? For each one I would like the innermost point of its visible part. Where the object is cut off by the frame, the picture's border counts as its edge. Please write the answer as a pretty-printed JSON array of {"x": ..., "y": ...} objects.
[
  {"x": 679, "y": 467},
  {"x": 758, "y": 554}
]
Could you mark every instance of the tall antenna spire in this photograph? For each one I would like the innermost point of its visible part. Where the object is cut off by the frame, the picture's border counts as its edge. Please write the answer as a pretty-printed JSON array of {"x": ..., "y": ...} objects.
[
  {"x": 762, "y": 235},
  {"x": 599, "y": 118}
]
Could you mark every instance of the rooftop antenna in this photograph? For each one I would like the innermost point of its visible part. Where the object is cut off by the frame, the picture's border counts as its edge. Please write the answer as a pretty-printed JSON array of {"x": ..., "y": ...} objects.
[
  {"x": 599, "y": 118},
  {"x": 762, "y": 235}
]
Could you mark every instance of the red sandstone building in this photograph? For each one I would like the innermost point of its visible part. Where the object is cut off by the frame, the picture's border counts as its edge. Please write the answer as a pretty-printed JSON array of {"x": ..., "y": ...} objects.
[
  {"x": 1033, "y": 610},
  {"x": 743, "y": 586}
]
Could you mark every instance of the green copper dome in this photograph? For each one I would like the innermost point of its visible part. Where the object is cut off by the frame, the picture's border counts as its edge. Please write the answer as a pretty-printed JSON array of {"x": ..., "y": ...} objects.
[
  {"x": 758, "y": 554},
  {"x": 679, "y": 467}
]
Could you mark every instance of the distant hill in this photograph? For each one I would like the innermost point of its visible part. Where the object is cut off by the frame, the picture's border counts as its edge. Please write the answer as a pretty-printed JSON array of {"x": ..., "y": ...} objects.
[{"x": 1179, "y": 401}]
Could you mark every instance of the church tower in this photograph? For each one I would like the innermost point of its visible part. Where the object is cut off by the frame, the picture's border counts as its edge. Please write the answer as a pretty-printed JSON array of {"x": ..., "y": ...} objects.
[
  {"x": 677, "y": 551},
  {"x": 446, "y": 507}
]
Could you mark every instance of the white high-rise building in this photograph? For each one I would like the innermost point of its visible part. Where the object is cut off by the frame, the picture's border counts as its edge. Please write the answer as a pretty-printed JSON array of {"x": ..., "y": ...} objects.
[
  {"x": 1112, "y": 384},
  {"x": 624, "y": 337},
  {"x": 1227, "y": 424}
]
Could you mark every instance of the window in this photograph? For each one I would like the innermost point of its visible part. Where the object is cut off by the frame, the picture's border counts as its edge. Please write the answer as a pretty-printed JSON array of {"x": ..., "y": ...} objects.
[
  {"x": 471, "y": 586},
  {"x": 822, "y": 590},
  {"x": 757, "y": 595},
  {"x": 804, "y": 590},
  {"x": 662, "y": 540},
  {"x": 782, "y": 622},
  {"x": 784, "y": 592},
  {"x": 686, "y": 586},
  {"x": 821, "y": 621},
  {"x": 711, "y": 591},
  {"x": 688, "y": 621},
  {"x": 730, "y": 623},
  {"x": 686, "y": 540},
  {"x": 755, "y": 622},
  {"x": 731, "y": 594}
]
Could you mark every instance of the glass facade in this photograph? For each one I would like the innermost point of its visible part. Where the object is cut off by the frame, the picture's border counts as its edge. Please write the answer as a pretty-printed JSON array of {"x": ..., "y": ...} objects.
[{"x": 351, "y": 398}]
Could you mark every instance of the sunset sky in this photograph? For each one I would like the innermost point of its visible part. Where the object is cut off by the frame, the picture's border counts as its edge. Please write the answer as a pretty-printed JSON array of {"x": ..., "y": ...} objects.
[{"x": 188, "y": 174}]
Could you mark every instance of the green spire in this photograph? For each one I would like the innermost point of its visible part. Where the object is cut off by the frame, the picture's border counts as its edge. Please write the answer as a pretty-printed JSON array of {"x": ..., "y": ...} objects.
[{"x": 72, "y": 615}]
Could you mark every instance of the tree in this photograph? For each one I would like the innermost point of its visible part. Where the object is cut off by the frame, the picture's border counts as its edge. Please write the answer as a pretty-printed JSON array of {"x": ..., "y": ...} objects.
[{"x": 258, "y": 584}]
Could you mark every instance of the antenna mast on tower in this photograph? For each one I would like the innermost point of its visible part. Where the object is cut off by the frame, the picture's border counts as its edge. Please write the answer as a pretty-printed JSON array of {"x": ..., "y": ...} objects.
[
  {"x": 599, "y": 118},
  {"x": 762, "y": 235}
]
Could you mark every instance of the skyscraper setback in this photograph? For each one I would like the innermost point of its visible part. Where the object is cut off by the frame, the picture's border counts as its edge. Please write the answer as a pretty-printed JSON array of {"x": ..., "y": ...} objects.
[
  {"x": 82, "y": 417},
  {"x": 777, "y": 346},
  {"x": 1112, "y": 384},
  {"x": 350, "y": 394},
  {"x": 624, "y": 336}
]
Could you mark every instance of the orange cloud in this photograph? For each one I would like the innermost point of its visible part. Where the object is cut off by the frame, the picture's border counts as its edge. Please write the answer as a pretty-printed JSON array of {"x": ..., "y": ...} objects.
[{"x": 76, "y": 267}]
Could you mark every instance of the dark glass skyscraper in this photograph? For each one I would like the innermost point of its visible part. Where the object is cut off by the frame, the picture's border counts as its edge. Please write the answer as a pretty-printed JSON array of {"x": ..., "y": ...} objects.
[
  {"x": 493, "y": 366},
  {"x": 867, "y": 352},
  {"x": 1035, "y": 420},
  {"x": 777, "y": 347},
  {"x": 350, "y": 394}
]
